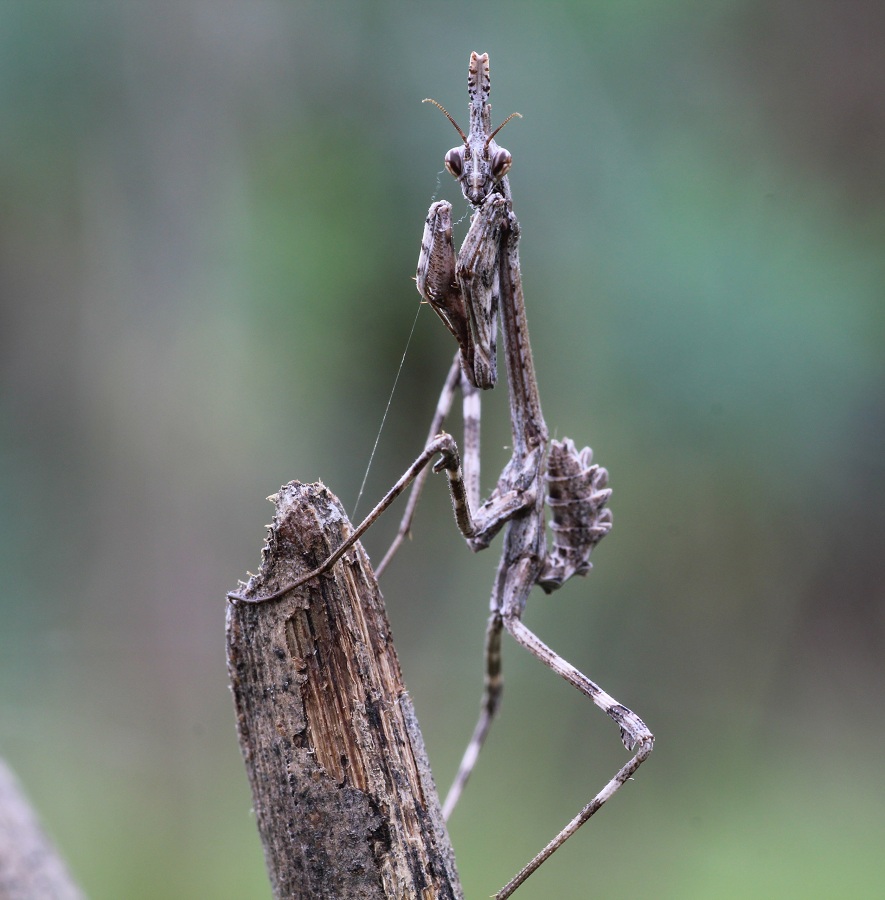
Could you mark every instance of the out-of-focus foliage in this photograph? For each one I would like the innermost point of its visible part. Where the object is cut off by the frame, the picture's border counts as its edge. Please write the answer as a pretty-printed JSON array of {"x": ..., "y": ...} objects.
[{"x": 209, "y": 218}]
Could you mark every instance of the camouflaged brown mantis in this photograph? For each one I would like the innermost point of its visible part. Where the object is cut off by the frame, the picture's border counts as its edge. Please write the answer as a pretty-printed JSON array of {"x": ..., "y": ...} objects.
[{"x": 470, "y": 291}]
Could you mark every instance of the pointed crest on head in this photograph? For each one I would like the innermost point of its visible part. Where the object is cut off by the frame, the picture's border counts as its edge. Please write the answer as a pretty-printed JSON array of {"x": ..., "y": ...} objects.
[{"x": 479, "y": 165}]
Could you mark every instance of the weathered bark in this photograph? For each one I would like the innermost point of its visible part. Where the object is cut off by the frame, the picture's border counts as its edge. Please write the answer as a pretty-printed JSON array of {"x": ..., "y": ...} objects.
[
  {"x": 30, "y": 867},
  {"x": 342, "y": 791}
]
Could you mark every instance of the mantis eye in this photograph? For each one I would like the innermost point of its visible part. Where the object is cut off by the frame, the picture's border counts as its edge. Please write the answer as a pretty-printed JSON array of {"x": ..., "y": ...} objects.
[
  {"x": 455, "y": 161},
  {"x": 501, "y": 161}
]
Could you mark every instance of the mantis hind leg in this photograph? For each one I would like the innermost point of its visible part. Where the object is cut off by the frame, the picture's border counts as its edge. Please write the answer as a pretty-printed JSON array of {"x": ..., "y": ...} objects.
[
  {"x": 634, "y": 734},
  {"x": 491, "y": 700}
]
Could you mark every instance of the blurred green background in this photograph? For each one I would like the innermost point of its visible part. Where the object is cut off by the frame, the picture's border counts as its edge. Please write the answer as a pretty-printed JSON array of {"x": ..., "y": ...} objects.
[{"x": 209, "y": 218}]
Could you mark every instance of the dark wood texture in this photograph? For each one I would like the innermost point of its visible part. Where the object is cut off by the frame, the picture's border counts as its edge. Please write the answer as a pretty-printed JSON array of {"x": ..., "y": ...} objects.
[{"x": 342, "y": 791}]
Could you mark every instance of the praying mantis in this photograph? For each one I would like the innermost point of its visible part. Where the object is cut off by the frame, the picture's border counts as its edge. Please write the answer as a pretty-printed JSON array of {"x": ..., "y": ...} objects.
[{"x": 470, "y": 291}]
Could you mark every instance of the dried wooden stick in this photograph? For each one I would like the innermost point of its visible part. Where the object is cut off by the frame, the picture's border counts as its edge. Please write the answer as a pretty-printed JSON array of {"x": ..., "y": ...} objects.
[
  {"x": 342, "y": 791},
  {"x": 30, "y": 867}
]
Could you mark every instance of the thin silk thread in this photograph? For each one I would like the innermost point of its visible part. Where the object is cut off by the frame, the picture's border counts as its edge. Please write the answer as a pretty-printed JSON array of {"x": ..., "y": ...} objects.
[{"x": 386, "y": 411}]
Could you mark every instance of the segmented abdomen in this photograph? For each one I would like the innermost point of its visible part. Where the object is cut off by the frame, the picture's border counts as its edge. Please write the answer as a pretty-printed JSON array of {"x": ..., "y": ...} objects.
[{"x": 577, "y": 495}]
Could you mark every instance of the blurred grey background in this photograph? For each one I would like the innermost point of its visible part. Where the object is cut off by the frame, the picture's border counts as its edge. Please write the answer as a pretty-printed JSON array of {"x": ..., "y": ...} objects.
[{"x": 209, "y": 218}]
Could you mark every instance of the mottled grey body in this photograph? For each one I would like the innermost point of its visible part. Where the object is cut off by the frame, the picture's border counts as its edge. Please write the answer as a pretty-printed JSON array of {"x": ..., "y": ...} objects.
[{"x": 469, "y": 291}]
